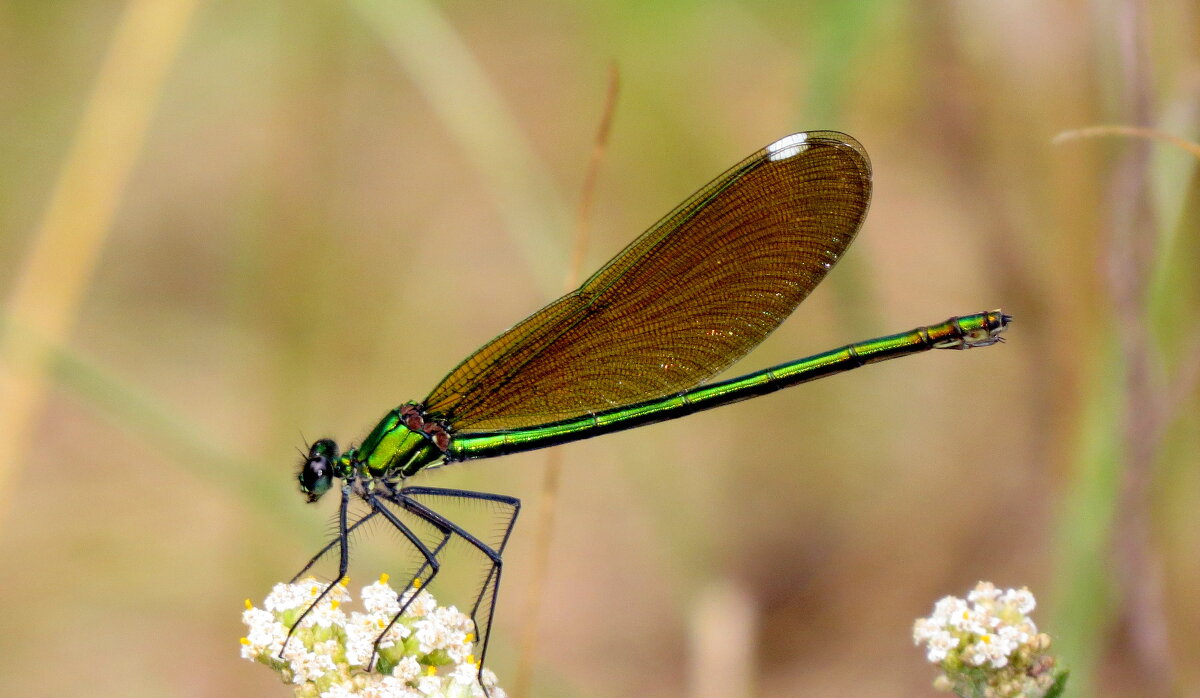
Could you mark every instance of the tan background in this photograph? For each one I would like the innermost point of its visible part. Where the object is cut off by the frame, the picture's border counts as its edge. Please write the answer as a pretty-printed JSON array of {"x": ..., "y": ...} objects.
[{"x": 329, "y": 204}]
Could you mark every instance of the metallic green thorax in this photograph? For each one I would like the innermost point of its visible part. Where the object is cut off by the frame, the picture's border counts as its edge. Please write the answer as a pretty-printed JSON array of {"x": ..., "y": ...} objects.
[
  {"x": 402, "y": 444},
  {"x": 395, "y": 447}
]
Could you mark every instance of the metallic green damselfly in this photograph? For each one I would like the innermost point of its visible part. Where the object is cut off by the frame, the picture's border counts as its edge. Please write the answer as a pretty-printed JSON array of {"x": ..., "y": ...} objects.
[{"x": 632, "y": 346}]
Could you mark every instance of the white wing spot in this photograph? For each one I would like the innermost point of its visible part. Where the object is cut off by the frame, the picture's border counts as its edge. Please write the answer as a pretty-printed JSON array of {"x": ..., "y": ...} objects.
[{"x": 788, "y": 146}]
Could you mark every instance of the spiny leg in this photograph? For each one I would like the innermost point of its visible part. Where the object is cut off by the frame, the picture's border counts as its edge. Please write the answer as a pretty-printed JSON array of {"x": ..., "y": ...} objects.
[
  {"x": 343, "y": 564},
  {"x": 513, "y": 504},
  {"x": 514, "y": 508},
  {"x": 492, "y": 580},
  {"x": 415, "y": 582},
  {"x": 336, "y": 539}
]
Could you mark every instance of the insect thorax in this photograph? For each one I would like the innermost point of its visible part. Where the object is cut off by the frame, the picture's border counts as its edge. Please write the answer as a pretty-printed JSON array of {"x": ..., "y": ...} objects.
[{"x": 403, "y": 443}]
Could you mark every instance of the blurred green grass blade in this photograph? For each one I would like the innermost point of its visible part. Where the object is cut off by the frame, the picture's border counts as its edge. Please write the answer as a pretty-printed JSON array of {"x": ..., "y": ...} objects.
[
  {"x": 1084, "y": 600},
  {"x": 1174, "y": 285},
  {"x": 840, "y": 30},
  {"x": 1059, "y": 686},
  {"x": 478, "y": 117},
  {"x": 64, "y": 251},
  {"x": 146, "y": 419}
]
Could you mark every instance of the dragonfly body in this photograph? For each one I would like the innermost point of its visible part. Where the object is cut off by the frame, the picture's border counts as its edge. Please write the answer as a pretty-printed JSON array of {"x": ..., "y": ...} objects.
[
  {"x": 407, "y": 440},
  {"x": 634, "y": 345}
]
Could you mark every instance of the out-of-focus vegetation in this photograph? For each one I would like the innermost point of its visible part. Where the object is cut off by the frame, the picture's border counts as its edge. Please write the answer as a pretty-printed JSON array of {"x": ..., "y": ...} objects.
[{"x": 228, "y": 225}]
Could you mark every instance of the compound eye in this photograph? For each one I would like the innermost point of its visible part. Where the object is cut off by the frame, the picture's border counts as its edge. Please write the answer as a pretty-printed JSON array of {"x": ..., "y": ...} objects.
[
  {"x": 323, "y": 448},
  {"x": 316, "y": 474}
]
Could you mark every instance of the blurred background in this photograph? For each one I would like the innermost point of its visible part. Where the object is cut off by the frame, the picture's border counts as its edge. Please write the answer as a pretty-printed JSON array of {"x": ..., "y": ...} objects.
[{"x": 227, "y": 228}]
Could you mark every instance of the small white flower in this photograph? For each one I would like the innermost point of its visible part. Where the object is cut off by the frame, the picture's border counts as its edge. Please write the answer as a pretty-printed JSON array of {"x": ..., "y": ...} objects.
[
  {"x": 941, "y": 644},
  {"x": 1021, "y": 599},
  {"x": 970, "y": 620},
  {"x": 379, "y": 598},
  {"x": 433, "y": 635},
  {"x": 325, "y": 615},
  {"x": 422, "y": 605},
  {"x": 992, "y": 649},
  {"x": 285, "y": 597},
  {"x": 429, "y": 685},
  {"x": 334, "y": 647},
  {"x": 386, "y": 687},
  {"x": 978, "y": 622},
  {"x": 340, "y": 690},
  {"x": 310, "y": 588},
  {"x": 407, "y": 669},
  {"x": 257, "y": 617},
  {"x": 1013, "y": 636},
  {"x": 465, "y": 673},
  {"x": 987, "y": 645},
  {"x": 924, "y": 628},
  {"x": 308, "y": 666},
  {"x": 264, "y": 635},
  {"x": 950, "y": 610},
  {"x": 361, "y": 631},
  {"x": 983, "y": 591},
  {"x": 452, "y": 618}
]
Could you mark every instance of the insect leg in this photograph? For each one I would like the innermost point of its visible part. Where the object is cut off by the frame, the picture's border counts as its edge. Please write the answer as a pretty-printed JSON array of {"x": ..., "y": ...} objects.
[
  {"x": 343, "y": 563},
  {"x": 416, "y": 582},
  {"x": 329, "y": 546},
  {"x": 491, "y": 584}
]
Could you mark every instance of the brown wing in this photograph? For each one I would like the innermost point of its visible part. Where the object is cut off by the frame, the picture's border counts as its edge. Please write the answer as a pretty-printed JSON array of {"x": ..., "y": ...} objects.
[{"x": 686, "y": 299}]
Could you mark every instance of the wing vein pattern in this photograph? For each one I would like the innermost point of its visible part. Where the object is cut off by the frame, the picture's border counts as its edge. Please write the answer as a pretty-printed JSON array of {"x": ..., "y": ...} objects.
[{"x": 680, "y": 304}]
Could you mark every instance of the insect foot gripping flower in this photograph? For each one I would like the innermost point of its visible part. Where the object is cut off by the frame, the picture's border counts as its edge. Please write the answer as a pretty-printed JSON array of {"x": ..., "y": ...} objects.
[
  {"x": 426, "y": 654},
  {"x": 987, "y": 645}
]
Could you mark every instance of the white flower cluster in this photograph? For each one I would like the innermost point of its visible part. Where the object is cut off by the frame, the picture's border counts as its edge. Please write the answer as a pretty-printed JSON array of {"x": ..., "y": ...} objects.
[
  {"x": 987, "y": 642},
  {"x": 426, "y": 654}
]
